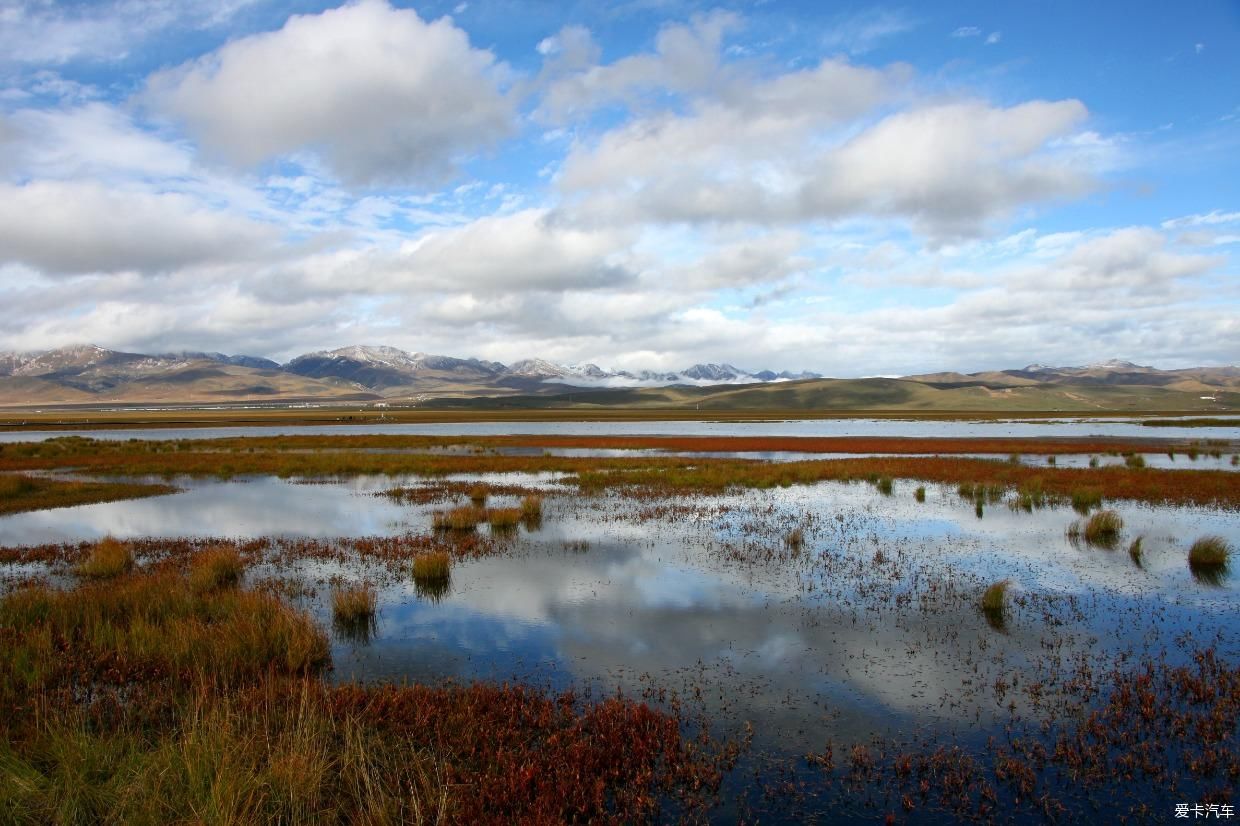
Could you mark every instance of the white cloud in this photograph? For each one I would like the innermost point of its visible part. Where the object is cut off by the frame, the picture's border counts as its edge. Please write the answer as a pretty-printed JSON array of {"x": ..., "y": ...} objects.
[
  {"x": 64, "y": 228},
  {"x": 1208, "y": 219},
  {"x": 380, "y": 94},
  {"x": 967, "y": 31},
  {"x": 56, "y": 33},
  {"x": 993, "y": 38},
  {"x": 862, "y": 31}
]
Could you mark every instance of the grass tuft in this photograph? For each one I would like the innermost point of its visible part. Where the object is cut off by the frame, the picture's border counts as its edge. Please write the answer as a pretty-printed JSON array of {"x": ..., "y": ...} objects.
[
  {"x": 1103, "y": 528},
  {"x": 1135, "y": 553},
  {"x": 994, "y": 603},
  {"x": 108, "y": 558},
  {"x": 478, "y": 494},
  {"x": 432, "y": 567},
  {"x": 884, "y": 485},
  {"x": 920, "y": 493},
  {"x": 464, "y": 518},
  {"x": 353, "y": 604},
  {"x": 795, "y": 539},
  {"x": 1134, "y": 460},
  {"x": 504, "y": 519},
  {"x": 215, "y": 568},
  {"x": 1209, "y": 552}
]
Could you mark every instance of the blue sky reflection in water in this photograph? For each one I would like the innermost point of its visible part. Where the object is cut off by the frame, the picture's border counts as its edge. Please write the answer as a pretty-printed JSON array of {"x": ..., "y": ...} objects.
[{"x": 708, "y": 602}]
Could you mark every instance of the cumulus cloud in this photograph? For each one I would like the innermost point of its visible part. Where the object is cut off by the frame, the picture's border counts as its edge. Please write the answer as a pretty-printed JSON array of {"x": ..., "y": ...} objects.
[
  {"x": 381, "y": 95},
  {"x": 686, "y": 59},
  {"x": 64, "y": 228},
  {"x": 948, "y": 169}
]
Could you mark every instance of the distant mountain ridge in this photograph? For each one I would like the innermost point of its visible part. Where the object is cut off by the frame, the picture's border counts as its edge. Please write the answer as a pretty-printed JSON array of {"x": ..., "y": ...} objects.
[{"x": 88, "y": 374}]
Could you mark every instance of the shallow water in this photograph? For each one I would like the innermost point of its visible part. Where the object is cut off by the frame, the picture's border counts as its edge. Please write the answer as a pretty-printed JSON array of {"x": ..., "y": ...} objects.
[
  {"x": 911, "y": 428},
  {"x": 872, "y": 628}
]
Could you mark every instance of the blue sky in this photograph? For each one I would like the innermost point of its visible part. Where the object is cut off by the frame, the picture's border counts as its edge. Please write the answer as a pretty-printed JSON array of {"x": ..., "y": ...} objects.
[{"x": 852, "y": 188}]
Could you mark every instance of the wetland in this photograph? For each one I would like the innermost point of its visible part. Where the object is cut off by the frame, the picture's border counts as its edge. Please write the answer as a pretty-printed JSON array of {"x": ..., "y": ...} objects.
[{"x": 633, "y": 626}]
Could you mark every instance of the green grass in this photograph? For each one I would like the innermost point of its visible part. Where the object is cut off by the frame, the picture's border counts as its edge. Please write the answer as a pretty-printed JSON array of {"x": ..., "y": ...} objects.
[
  {"x": 1085, "y": 499},
  {"x": 1135, "y": 552},
  {"x": 884, "y": 485},
  {"x": 1135, "y": 461},
  {"x": 229, "y": 761},
  {"x": 213, "y": 568},
  {"x": 108, "y": 558},
  {"x": 920, "y": 493}
]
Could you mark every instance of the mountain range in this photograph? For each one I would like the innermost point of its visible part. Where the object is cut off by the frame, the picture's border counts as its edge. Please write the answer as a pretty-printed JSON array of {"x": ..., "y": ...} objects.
[{"x": 89, "y": 375}]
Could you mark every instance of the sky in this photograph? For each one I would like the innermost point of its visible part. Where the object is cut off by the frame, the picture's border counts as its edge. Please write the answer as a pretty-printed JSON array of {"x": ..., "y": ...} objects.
[{"x": 849, "y": 188}]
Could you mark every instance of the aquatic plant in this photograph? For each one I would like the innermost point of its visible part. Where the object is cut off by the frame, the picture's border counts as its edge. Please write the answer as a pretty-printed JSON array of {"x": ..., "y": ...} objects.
[
  {"x": 884, "y": 485},
  {"x": 1134, "y": 460},
  {"x": 531, "y": 507},
  {"x": 795, "y": 539},
  {"x": 1209, "y": 552},
  {"x": 478, "y": 494},
  {"x": 433, "y": 567},
  {"x": 464, "y": 518},
  {"x": 993, "y": 603},
  {"x": 1135, "y": 553},
  {"x": 920, "y": 493},
  {"x": 353, "y": 603},
  {"x": 220, "y": 566},
  {"x": 108, "y": 558},
  {"x": 504, "y": 519},
  {"x": 1103, "y": 528}
]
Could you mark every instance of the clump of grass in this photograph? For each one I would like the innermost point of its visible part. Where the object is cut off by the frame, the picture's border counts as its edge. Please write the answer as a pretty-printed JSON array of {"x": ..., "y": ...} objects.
[
  {"x": 504, "y": 519},
  {"x": 531, "y": 507},
  {"x": 478, "y": 494},
  {"x": 1103, "y": 528},
  {"x": 979, "y": 509},
  {"x": 464, "y": 518},
  {"x": 432, "y": 567},
  {"x": 1135, "y": 553},
  {"x": 884, "y": 485},
  {"x": 1235, "y": 458},
  {"x": 214, "y": 568},
  {"x": 1014, "y": 459},
  {"x": 1085, "y": 499},
  {"x": 1134, "y": 460},
  {"x": 353, "y": 603},
  {"x": 994, "y": 603},
  {"x": 1030, "y": 495},
  {"x": 1093, "y": 461},
  {"x": 1209, "y": 552},
  {"x": 1208, "y": 560},
  {"x": 1050, "y": 460},
  {"x": 108, "y": 558},
  {"x": 920, "y": 493},
  {"x": 795, "y": 540}
]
